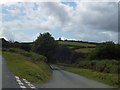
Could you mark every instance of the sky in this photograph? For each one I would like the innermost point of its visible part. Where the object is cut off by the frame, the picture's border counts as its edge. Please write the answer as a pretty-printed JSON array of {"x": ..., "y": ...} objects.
[{"x": 76, "y": 20}]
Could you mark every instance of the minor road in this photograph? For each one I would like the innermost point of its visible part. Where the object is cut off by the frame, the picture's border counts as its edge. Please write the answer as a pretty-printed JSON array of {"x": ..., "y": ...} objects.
[
  {"x": 65, "y": 79},
  {"x": 8, "y": 79}
]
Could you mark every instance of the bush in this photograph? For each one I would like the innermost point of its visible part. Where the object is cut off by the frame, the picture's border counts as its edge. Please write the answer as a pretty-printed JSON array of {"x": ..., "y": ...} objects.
[
  {"x": 33, "y": 56},
  {"x": 107, "y": 50},
  {"x": 106, "y": 66}
]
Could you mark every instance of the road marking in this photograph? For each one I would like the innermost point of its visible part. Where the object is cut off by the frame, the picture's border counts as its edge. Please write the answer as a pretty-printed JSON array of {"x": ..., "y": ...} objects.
[
  {"x": 16, "y": 77},
  {"x": 33, "y": 87},
  {"x": 23, "y": 85}
]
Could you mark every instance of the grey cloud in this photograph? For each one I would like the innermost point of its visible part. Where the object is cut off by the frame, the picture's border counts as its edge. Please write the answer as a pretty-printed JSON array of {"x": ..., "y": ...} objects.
[
  {"x": 58, "y": 11},
  {"x": 97, "y": 36},
  {"x": 7, "y": 34},
  {"x": 102, "y": 17}
]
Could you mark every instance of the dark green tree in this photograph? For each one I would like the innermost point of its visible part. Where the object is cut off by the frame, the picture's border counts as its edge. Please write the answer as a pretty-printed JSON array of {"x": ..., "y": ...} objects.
[
  {"x": 107, "y": 50},
  {"x": 46, "y": 45}
]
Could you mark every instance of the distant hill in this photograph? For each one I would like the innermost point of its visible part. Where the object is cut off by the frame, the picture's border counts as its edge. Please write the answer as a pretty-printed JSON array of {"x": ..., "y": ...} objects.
[{"x": 79, "y": 46}]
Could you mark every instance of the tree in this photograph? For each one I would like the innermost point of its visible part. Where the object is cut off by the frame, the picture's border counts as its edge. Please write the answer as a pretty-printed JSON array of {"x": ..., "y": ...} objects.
[
  {"x": 63, "y": 54},
  {"x": 59, "y": 39},
  {"x": 46, "y": 45},
  {"x": 107, "y": 50}
]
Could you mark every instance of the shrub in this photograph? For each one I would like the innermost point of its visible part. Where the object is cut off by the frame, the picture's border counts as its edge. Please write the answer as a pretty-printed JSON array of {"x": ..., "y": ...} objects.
[
  {"x": 106, "y": 66},
  {"x": 33, "y": 56},
  {"x": 107, "y": 50}
]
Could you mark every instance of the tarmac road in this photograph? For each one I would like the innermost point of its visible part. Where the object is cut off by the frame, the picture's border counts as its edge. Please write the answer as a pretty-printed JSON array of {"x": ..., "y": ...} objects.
[{"x": 65, "y": 79}]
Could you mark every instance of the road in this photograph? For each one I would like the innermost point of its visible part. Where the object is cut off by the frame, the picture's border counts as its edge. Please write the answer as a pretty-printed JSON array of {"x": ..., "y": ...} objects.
[
  {"x": 60, "y": 79},
  {"x": 8, "y": 79},
  {"x": 64, "y": 79}
]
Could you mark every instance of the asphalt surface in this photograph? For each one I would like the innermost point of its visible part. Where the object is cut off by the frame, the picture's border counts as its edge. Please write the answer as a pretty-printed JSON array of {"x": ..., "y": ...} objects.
[
  {"x": 64, "y": 79},
  {"x": 8, "y": 79}
]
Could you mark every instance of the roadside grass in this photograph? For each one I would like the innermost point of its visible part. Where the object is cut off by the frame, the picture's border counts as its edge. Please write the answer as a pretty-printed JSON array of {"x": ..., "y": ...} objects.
[
  {"x": 75, "y": 43},
  {"x": 23, "y": 67},
  {"x": 0, "y": 52},
  {"x": 107, "y": 78}
]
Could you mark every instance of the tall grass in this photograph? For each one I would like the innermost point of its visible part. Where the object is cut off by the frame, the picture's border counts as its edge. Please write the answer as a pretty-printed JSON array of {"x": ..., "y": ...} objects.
[
  {"x": 27, "y": 65},
  {"x": 106, "y": 66}
]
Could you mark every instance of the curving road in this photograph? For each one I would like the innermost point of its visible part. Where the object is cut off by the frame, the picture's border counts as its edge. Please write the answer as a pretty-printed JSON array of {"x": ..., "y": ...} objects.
[
  {"x": 60, "y": 79},
  {"x": 64, "y": 79}
]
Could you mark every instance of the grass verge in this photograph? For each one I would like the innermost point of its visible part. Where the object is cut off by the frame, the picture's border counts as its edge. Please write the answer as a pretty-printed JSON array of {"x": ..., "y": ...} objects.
[
  {"x": 107, "y": 78},
  {"x": 23, "y": 67},
  {"x": 0, "y": 52}
]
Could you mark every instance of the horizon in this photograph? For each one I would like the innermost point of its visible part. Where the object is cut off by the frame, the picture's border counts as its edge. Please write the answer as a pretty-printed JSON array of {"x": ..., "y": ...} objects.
[{"x": 79, "y": 21}]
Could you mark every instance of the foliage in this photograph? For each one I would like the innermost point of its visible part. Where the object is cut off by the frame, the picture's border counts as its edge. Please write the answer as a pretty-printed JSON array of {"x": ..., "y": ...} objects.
[
  {"x": 45, "y": 45},
  {"x": 73, "y": 43},
  {"x": 24, "y": 67},
  {"x": 107, "y": 50},
  {"x": 33, "y": 56},
  {"x": 106, "y": 66},
  {"x": 63, "y": 54}
]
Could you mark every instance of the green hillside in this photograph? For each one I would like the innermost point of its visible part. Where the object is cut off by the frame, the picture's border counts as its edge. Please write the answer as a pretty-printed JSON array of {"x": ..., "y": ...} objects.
[{"x": 82, "y": 47}]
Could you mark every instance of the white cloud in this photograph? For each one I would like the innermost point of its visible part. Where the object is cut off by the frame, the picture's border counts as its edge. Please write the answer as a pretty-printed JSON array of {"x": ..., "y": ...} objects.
[
  {"x": 87, "y": 19},
  {"x": 5, "y": 32}
]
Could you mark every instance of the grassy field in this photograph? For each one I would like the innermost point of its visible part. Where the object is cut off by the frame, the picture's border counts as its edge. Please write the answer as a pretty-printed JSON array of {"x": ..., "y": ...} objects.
[
  {"x": 76, "y": 44},
  {"x": 84, "y": 50},
  {"x": 23, "y": 67},
  {"x": 107, "y": 78}
]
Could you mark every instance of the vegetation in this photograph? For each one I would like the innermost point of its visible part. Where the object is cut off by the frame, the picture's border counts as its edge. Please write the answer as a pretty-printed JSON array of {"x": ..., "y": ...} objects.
[
  {"x": 73, "y": 43},
  {"x": 107, "y": 78},
  {"x": 28, "y": 65},
  {"x": 0, "y": 52},
  {"x": 45, "y": 45},
  {"x": 107, "y": 50},
  {"x": 101, "y": 59},
  {"x": 84, "y": 50},
  {"x": 104, "y": 66}
]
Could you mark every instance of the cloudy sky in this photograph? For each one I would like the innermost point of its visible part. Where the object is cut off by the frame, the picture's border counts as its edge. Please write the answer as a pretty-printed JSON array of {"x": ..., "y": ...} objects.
[{"x": 86, "y": 21}]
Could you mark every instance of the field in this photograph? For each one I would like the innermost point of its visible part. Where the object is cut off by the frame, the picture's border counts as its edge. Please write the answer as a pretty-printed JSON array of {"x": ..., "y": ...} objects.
[
  {"x": 84, "y": 50},
  {"x": 80, "y": 44},
  {"x": 24, "y": 67}
]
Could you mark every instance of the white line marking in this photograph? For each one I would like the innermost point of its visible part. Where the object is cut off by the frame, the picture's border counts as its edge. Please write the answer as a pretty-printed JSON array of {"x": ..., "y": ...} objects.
[
  {"x": 27, "y": 82},
  {"x": 24, "y": 79},
  {"x": 18, "y": 80},
  {"x": 32, "y": 87},
  {"x": 22, "y": 87},
  {"x": 21, "y": 83},
  {"x": 16, "y": 77}
]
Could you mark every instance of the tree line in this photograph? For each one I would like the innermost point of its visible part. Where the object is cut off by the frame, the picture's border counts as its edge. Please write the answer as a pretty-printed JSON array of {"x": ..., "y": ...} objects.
[{"x": 46, "y": 45}]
